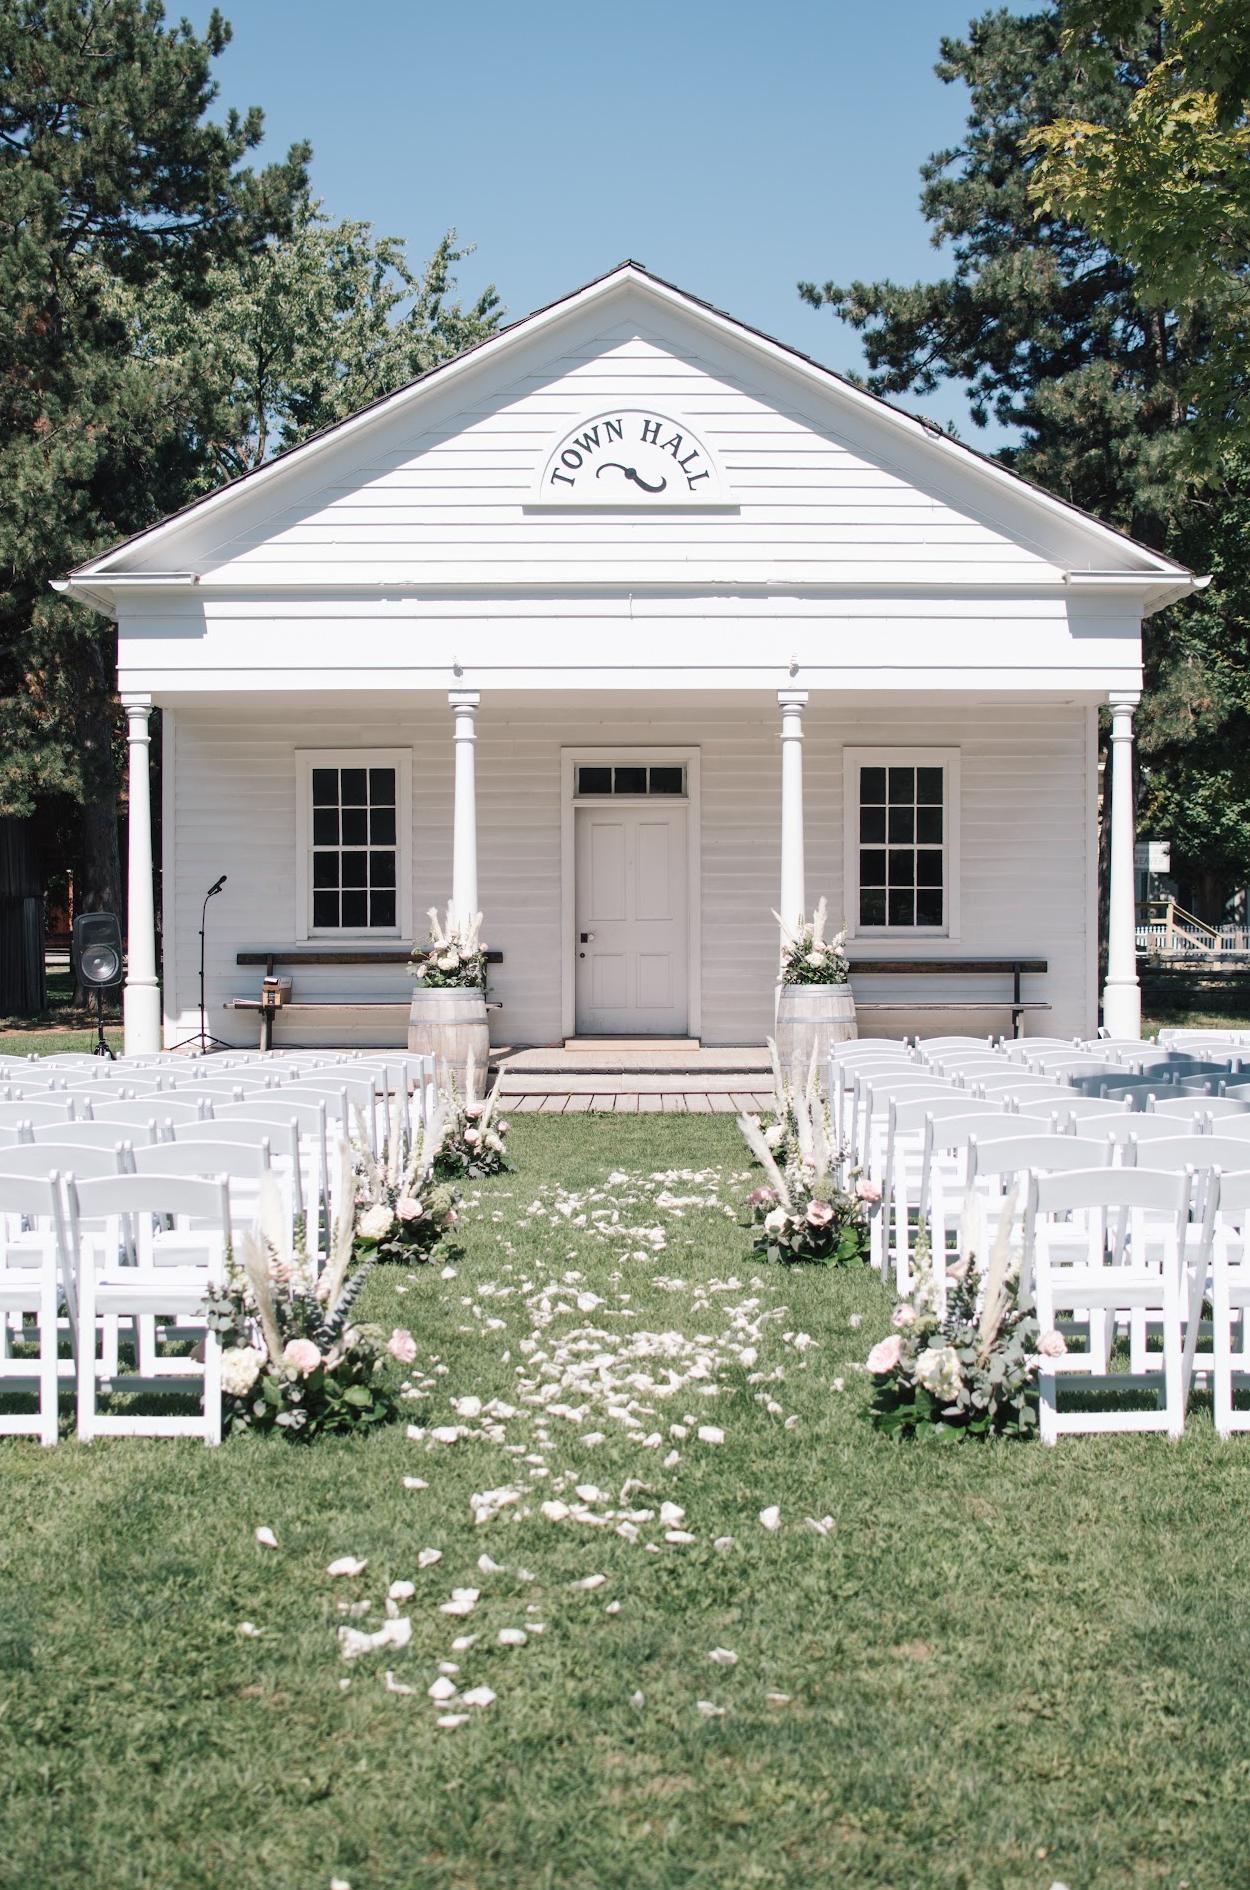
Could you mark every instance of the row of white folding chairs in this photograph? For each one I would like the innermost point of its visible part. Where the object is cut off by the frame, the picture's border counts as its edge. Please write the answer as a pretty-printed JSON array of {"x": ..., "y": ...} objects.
[{"x": 103, "y": 1247}]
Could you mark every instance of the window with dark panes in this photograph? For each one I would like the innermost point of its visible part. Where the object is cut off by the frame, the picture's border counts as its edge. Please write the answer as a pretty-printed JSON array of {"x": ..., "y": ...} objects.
[
  {"x": 631, "y": 778},
  {"x": 354, "y": 849},
  {"x": 902, "y": 838}
]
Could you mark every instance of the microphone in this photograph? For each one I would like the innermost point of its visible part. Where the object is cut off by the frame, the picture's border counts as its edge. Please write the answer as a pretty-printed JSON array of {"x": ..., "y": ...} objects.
[{"x": 217, "y": 888}]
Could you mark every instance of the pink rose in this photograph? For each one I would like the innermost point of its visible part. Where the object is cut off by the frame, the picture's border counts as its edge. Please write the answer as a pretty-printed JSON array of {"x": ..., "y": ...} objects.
[
  {"x": 819, "y": 1214},
  {"x": 402, "y": 1346},
  {"x": 472, "y": 1137},
  {"x": 761, "y": 1197},
  {"x": 406, "y": 1209},
  {"x": 449, "y": 1219},
  {"x": 868, "y": 1190},
  {"x": 1053, "y": 1345},
  {"x": 903, "y": 1315},
  {"x": 885, "y": 1355},
  {"x": 301, "y": 1356},
  {"x": 501, "y": 1128},
  {"x": 474, "y": 1110}
]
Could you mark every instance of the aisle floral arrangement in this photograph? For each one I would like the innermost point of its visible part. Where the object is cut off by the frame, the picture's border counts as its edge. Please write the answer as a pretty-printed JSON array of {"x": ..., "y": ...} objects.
[
  {"x": 403, "y": 1210},
  {"x": 475, "y": 1139},
  {"x": 291, "y": 1359},
  {"x": 455, "y": 958},
  {"x": 801, "y": 1213},
  {"x": 970, "y": 1371},
  {"x": 807, "y": 956}
]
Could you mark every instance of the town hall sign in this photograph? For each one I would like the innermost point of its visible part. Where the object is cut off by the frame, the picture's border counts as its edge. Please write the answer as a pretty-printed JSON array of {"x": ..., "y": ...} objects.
[{"x": 630, "y": 457}]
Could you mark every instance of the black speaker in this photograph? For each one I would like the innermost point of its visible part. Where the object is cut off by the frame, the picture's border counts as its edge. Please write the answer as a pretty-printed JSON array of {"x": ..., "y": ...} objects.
[{"x": 96, "y": 951}]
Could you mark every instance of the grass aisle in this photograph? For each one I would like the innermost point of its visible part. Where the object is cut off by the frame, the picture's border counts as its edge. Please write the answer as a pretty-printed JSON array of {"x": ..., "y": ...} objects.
[{"x": 1003, "y": 1667}]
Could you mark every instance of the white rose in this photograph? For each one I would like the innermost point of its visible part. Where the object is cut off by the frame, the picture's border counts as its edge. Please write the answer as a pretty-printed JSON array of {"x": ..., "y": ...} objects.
[
  {"x": 240, "y": 1368},
  {"x": 816, "y": 958},
  {"x": 937, "y": 1369},
  {"x": 449, "y": 961},
  {"x": 376, "y": 1223},
  {"x": 774, "y": 1223},
  {"x": 775, "y": 1136}
]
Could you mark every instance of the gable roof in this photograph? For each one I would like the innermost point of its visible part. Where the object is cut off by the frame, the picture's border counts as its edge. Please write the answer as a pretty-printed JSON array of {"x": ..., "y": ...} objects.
[{"x": 1146, "y": 566}]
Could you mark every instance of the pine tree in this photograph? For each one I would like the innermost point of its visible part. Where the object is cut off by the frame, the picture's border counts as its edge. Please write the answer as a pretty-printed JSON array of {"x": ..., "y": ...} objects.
[
  {"x": 1050, "y": 333},
  {"x": 112, "y": 178}
]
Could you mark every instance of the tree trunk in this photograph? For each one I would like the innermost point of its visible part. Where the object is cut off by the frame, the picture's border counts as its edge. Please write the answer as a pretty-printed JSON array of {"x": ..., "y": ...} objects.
[{"x": 23, "y": 985}]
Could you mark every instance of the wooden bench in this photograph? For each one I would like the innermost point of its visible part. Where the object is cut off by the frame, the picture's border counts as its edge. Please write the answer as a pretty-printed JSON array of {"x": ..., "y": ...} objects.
[
  {"x": 1013, "y": 968},
  {"x": 271, "y": 1001}
]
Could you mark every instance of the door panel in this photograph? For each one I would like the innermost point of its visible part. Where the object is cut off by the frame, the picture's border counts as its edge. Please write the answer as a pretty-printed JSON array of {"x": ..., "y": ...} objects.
[{"x": 631, "y": 905}]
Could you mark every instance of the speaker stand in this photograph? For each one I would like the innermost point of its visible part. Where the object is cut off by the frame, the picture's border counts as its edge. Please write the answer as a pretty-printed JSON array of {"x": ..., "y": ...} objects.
[{"x": 101, "y": 1043}]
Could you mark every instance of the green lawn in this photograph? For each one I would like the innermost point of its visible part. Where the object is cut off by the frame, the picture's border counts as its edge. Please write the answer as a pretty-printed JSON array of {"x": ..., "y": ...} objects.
[{"x": 1004, "y": 1666}]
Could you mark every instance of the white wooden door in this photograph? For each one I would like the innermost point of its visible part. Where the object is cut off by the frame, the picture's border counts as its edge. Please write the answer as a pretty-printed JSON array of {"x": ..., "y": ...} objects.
[{"x": 632, "y": 934}]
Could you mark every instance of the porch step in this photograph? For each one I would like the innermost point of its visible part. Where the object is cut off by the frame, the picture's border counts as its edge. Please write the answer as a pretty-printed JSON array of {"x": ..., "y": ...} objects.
[
  {"x": 631, "y": 1082},
  {"x": 750, "y": 1066},
  {"x": 605, "y": 1045}
]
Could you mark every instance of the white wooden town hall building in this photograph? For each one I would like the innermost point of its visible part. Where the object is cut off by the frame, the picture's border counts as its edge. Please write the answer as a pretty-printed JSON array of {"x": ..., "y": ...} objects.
[{"x": 706, "y": 630}]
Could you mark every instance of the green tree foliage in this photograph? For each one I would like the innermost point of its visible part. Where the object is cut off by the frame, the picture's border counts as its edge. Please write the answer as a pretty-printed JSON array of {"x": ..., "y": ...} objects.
[
  {"x": 1049, "y": 331},
  {"x": 112, "y": 178},
  {"x": 1167, "y": 185},
  {"x": 306, "y": 329}
]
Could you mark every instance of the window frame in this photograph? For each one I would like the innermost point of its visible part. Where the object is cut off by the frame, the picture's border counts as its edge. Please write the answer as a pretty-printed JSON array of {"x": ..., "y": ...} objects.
[
  {"x": 306, "y": 759},
  {"x": 949, "y": 760}
]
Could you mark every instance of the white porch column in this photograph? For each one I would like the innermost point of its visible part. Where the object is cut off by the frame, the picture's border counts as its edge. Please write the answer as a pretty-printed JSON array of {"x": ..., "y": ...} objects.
[
  {"x": 464, "y": 705},
  {"x": 1121, "y": 997},
  {"x": 141, "y": 1002},
  {"x": 792, "y": 703}
]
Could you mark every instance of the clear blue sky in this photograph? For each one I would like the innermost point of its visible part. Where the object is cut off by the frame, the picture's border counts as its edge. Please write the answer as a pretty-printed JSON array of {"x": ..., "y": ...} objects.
[{"x": 732, "y": 147}]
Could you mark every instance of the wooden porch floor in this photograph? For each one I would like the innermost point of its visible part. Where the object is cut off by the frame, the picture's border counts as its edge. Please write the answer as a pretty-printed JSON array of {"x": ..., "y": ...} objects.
[{"x": 630, "y": 1079}]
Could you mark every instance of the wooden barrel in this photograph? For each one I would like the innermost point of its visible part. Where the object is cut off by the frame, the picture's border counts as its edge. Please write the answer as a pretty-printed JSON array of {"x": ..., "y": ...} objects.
[
  {"x": 812, "y": 1014},
  {"x": 450, "y": 1025}
]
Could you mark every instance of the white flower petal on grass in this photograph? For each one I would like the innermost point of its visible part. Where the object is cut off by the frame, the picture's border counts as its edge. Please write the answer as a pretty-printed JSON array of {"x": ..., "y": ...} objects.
[
  {"x": 855, "y": 1321},
  {"x": 415, "y": 1483},
  {"x": 448, "y": 1666},
  {"x": 589, "y": 1581},
  {"x": 613, "y": 1607},
  {"x": 488, "y": 1567},
  {"x": 478, "y": 1696},
  {"x": 449, "y": 1720},
  {"x": 353, "y": 1642},
  {"x": 442, "y": 1689},
  {"x": 710, "y": 1434},
  {"x": 709, "y": 1710},
  {"x": 791, "y": 1423},
  {"x": 555, "y": 1511},
  {"x": 680, "y": 1537},
  {"x": 672, "y": 1460},
  {"x": 339, "y": 1883},
  {"x": 512, "y": 1637},
  {"x": 819, "y": 1525},
  {"x": 426, "y": 1558},
  {"x": 724, "y": 1657},
  {"x": 725, "y": 1542},
  {"x": 463, "y": 1642},
  {"x": 266, "y": 1537},
  {"x": 347, "y": 1565},
  {"x": 671, "y": 1514},
  {"x": 248, "y": 1630},
  {"x": 463, "y": 1601},
  {"x": 638, "y": 1699},
  {"x": 401, "y": 1591},
  {"x": 839, "y": 1384},
  {"x": 393, "y": 1685},
  {"x": 778, "y": 1699},
  {"x": 771, "y": 1517}
]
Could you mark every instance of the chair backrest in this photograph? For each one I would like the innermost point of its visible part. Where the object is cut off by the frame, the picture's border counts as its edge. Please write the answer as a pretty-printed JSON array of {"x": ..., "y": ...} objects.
[
  {"x": 948, "y": 1134},
  {"x": 1046, "y": 1153},
  {"x": 48, "y": 1158},
  {"x": 1147, "y": 1128},
  {"x": 187, "y": 1197},
  {"x": 35, "y": 1111},
  {"x": 309, "y": 1117},
  {"x": 168, "y": 1107},
  {"x": 1137, "y": 1095},
  {"x": 1112, "y": 1189},
  {"x": 88, "y": 1134},
  {"x": 1189, "y": 1108},
  {"x": 241, "y": 1162},
  {"x": 911, "y": 1113},
  {"x": 1014, "y": 1081},
  {"x": 1233, "y": 1191},
  {"x": 1068, "y": 1103},
  {"x": 1233, "y": 1128},
  {"x": 30, "y": 1197},
  {"x": 1193, "y": 1151}
]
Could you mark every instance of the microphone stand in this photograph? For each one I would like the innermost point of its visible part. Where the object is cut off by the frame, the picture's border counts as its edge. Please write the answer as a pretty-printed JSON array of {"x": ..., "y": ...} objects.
[{"x": 204, "y": 1038}]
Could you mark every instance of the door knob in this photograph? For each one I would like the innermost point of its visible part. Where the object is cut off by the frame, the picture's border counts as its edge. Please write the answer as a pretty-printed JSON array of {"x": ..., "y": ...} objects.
[{"x": 586, "y": 937}]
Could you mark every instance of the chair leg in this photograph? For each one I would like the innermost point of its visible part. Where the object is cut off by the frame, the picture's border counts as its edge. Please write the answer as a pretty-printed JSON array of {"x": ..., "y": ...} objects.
[
  {"x": 1221, "y": 1346},
  {"x": 49, "y": 1378},
  {"x": 1173, "y": 1355},
  {"x": 86, "y": 1353},
  {"x": 212, "y": 1388}
]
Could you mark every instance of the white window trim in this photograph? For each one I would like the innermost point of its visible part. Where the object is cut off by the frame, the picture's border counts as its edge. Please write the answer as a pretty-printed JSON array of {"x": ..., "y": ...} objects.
[
  {"x": 306, "y": 759},
  {"x": 853, "y": 759}
]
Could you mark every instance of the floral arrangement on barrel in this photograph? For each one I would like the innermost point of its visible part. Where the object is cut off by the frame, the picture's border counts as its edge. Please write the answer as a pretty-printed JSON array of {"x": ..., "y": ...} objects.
[
  {"x": 455, "y": 958},
  {"x": 807, "y": 956},
  {"x": 291, "y": 1359},
  {"x": 802, "y": 1213},
  {"x": 402, "y": 1209},
  {"x": 970, "y": 1370},
  {"x": 475, "y": 1139}
]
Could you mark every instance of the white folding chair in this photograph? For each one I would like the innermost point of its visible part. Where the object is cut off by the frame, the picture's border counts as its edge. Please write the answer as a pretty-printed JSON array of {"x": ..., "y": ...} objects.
[
  {"x": 298, "y": 1140},
  {"x": 900, "y": 1221},
  {"x": 109, "y": 1286},
  {"x": 1230, "y": 1300},
  {"x": 944, "y": 1176},
  {"x": 170, "y": 1106},
  {"x": 1189, "y": 1108},
  {"x": 29, "y": 1297},
  {"x": 1097, "y": 1243},
  {"x": 14, "y": 1114},
  {"x": 1070, "y": 1108}
]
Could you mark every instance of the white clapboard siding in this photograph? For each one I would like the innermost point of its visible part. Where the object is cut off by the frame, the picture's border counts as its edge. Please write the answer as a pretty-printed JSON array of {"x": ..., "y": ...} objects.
[
  {"x": 440, "y": 498},
  {"x": 1027, "y": 830}
]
